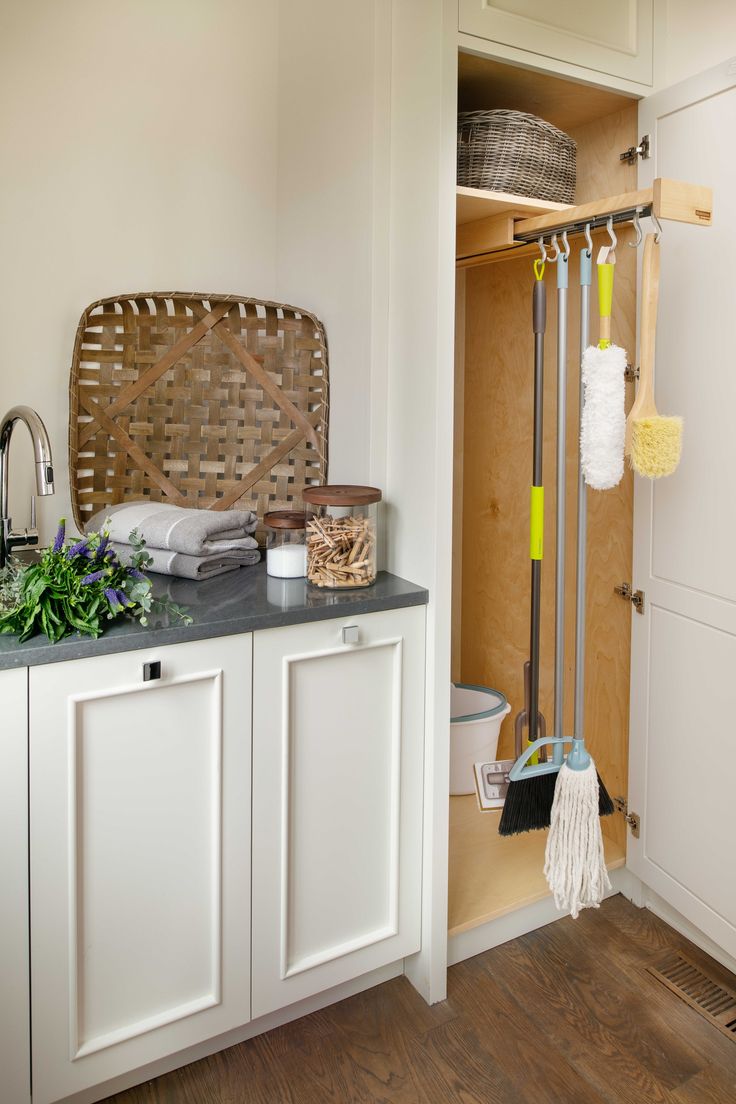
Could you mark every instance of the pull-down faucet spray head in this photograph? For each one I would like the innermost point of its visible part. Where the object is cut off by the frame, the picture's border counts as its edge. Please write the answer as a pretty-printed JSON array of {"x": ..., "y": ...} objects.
[{"x": 44, "y": 475}]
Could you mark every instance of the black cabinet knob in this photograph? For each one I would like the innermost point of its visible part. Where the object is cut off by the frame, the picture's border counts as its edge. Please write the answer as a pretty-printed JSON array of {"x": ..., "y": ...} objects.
[{"x": 152, "y": 671}]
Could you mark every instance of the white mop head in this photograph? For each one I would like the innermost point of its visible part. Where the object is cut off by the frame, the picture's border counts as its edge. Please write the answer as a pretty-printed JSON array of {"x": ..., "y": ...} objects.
[
  {"x": 574, "y": 863},
  {"x": 603, "y": 422}
]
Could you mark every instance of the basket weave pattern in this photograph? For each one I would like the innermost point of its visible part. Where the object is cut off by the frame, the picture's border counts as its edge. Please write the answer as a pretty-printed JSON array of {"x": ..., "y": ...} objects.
[
  {"x": 205, "y": 401},
  {"x": 510, "y": 151}
]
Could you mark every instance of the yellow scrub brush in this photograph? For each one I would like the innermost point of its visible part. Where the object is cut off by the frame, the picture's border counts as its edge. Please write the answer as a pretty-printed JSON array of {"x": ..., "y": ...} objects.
[{"x": 653, "y": 442}]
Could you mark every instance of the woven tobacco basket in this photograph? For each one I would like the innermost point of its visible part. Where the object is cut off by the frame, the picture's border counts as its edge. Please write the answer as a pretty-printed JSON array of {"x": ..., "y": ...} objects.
[{"x": 208, "y": 401}]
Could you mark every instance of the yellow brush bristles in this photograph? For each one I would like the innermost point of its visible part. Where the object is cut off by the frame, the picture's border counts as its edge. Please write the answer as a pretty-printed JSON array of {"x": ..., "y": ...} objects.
[{"x": 656, "y": 444}]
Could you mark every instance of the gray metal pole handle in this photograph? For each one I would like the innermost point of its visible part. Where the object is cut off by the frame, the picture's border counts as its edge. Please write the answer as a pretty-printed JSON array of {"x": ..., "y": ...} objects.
[
  {"x": 561, "y": 500},
  {"x": 582, "y": 544}
]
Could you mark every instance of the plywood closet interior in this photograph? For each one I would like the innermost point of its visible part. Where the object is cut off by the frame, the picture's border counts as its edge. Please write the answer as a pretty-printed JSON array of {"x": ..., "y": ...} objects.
[{"x": 491, "y": 876}]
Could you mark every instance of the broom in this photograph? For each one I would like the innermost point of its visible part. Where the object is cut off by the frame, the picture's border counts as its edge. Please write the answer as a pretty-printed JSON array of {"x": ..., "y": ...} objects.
[{"x": 529, "y": 799}]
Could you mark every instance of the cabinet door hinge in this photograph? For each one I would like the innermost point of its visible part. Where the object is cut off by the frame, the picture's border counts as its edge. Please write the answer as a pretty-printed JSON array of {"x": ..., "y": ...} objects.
[
  {"x": 636, "y": 597},
  {"x": 643, "y": 150},
  {"x": 632, "y": 819}
]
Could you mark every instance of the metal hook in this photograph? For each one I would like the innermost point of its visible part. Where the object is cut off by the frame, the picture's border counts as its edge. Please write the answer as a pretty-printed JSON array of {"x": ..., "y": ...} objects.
[
  {"x": 555, "y": 246},
  {"x": 588, "y": 239},
  {"x": 566, "y": 244},
  {"x": 658, "y": 228},
  {"x": 639, "y": 235},
  {"x": 611, "y": 233},
  {"x": 540, "y": 243}
]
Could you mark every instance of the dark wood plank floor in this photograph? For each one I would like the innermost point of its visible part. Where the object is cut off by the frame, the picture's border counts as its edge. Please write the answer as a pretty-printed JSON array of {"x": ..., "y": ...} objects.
[{"x": 565, "y": 1015}]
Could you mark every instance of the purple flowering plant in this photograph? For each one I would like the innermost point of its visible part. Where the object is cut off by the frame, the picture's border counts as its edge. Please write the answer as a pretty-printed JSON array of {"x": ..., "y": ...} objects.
[{"x": 78, "y": 586}]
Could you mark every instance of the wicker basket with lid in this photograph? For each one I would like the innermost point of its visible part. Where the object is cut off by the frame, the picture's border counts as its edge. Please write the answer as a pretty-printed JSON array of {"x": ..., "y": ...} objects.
[{"x": 341, "y": 535}]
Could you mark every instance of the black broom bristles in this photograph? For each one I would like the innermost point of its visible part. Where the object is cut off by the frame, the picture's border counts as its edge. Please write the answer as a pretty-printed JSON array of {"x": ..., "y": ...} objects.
[{"x": 528, "y": 804}]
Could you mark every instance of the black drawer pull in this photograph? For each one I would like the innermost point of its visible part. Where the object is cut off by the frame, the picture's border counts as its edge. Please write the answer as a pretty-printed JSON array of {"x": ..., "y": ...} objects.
[{"x": 152, "y": 671}]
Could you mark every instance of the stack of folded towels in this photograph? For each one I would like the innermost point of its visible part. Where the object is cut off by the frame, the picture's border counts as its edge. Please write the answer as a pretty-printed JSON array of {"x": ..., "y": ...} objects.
[{"x": 193, "y": 544}]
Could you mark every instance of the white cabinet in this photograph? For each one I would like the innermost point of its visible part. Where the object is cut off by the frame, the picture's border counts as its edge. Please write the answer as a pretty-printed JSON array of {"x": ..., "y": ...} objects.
[
  {"x": 337, "y": 801},
  {"x": 683, "y": 691},
  {"x": 15, "y": 1034},
  {"x": 614, "y": 40},
  {"x": 140, "y": 858}
]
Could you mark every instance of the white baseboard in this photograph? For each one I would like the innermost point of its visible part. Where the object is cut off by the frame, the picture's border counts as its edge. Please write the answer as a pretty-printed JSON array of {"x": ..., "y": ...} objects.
[
  {"x": 681, "y": 924},
  {"x": 473, "y": 942},
  {"x": 469, "y": 943},
  {"x": 237, "y": 1035}
]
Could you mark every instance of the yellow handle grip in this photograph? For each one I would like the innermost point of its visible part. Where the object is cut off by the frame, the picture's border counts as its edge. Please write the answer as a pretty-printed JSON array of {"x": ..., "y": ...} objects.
[
  {"x": 605, "y": 302},
  {"x": 536, "y": 513}
]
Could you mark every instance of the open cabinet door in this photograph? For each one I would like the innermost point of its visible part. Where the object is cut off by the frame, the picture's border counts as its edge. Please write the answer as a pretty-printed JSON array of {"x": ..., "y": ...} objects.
[{"x": 683, "y": 700}]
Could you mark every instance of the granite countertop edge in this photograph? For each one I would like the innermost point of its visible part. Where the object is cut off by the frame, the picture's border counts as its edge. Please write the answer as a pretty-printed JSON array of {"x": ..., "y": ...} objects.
[{"x": 227, "y": 610}]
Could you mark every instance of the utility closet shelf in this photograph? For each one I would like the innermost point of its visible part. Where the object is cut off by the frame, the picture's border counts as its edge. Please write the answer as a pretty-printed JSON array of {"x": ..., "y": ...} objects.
[
  {"x": 491, "y": 875},
  {"x": 476, "y": 203},
  {"x": 485, "y": 220}
]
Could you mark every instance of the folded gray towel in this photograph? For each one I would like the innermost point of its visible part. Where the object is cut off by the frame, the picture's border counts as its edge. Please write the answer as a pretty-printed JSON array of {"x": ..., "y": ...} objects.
[
  {"x": 176, "y": 529},
  {"x": 166, "y": 562}
]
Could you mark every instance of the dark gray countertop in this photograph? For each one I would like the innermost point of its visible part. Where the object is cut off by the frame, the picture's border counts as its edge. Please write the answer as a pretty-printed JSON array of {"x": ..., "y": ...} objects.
[{"x": 238, "y": 602}]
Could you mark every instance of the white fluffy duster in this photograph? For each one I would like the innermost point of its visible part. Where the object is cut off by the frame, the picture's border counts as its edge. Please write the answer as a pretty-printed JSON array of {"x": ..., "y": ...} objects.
[
  {"x": 574, "y": 863},
  {"x": 603, "y": 422}
]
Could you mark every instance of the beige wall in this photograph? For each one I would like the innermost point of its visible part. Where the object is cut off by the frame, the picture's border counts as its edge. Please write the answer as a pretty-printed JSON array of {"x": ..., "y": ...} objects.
[
  {"x": 697, "y": 37},
  {"x": 138, "y": 153},
  {"x": 333, "y": 138}
]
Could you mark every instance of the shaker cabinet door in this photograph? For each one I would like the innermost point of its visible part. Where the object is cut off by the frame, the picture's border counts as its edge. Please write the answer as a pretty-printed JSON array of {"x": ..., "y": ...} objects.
[
  {"x": 140, "y": 850},
  {"x": 614, "y": 40},
  {"x": 337, "y": 801}
]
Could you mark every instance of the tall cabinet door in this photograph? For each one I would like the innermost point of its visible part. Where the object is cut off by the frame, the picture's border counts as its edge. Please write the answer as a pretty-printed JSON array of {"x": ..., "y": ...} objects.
[
  {"x": 140, "y": 852},
  {"x": 338, "y": 713},
  {"x": 683, "y": 700}
]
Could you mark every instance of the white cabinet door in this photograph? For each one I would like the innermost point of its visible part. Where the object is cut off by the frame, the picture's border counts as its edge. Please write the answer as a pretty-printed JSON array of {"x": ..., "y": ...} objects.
[
  {"x": 140, "y": 849},
  {"x": 683, "y": 691},
  {"x": 15, "y": 1026},
  {"x": 337, "y": 802},
  {"x": 613, "y": 39}
]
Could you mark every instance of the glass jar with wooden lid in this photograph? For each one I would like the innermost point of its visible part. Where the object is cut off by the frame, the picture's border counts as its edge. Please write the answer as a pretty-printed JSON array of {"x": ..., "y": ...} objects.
[
  {"x": 341, "y": 535},
  {"x": 286, "y": 552}
]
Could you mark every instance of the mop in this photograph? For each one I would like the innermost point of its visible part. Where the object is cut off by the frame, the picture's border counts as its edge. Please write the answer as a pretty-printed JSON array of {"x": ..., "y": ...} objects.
[
  {"x": 653, "y": 441},
  {"x": 574, "y": 864},
  {"x": 603, "y": 422}
]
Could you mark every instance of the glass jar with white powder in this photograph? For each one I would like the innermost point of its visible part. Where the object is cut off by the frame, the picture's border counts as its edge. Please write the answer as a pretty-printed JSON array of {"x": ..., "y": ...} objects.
[{"x": 286, "y": 545}]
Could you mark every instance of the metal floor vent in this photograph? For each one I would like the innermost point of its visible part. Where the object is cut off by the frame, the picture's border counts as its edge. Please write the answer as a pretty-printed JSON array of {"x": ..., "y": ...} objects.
[{"x": 711, "y": 999}]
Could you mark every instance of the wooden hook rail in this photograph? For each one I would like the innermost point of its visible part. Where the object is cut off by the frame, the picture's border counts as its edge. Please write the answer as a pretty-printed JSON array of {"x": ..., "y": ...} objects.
[{"x": 503, "y": 234}]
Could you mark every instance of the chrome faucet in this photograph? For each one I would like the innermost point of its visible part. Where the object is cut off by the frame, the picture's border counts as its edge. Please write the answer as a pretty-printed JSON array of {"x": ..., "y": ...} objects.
[{"x": 10, "y": 538}]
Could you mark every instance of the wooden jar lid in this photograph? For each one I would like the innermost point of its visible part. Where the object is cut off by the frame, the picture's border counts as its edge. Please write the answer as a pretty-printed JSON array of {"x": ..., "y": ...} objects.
[
  {"x": 285, "y": 519},
  {"x": 342, "y": 494}
]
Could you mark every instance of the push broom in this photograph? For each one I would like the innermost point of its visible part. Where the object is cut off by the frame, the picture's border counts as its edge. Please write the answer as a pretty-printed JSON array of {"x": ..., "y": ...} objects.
[
  {"x": 529, "y": 799},
  {"x": 574, "y": 859}
]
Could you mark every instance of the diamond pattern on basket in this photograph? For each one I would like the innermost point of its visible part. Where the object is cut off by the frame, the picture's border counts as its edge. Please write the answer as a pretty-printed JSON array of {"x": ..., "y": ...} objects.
[{"x": 207, "y": 401}]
